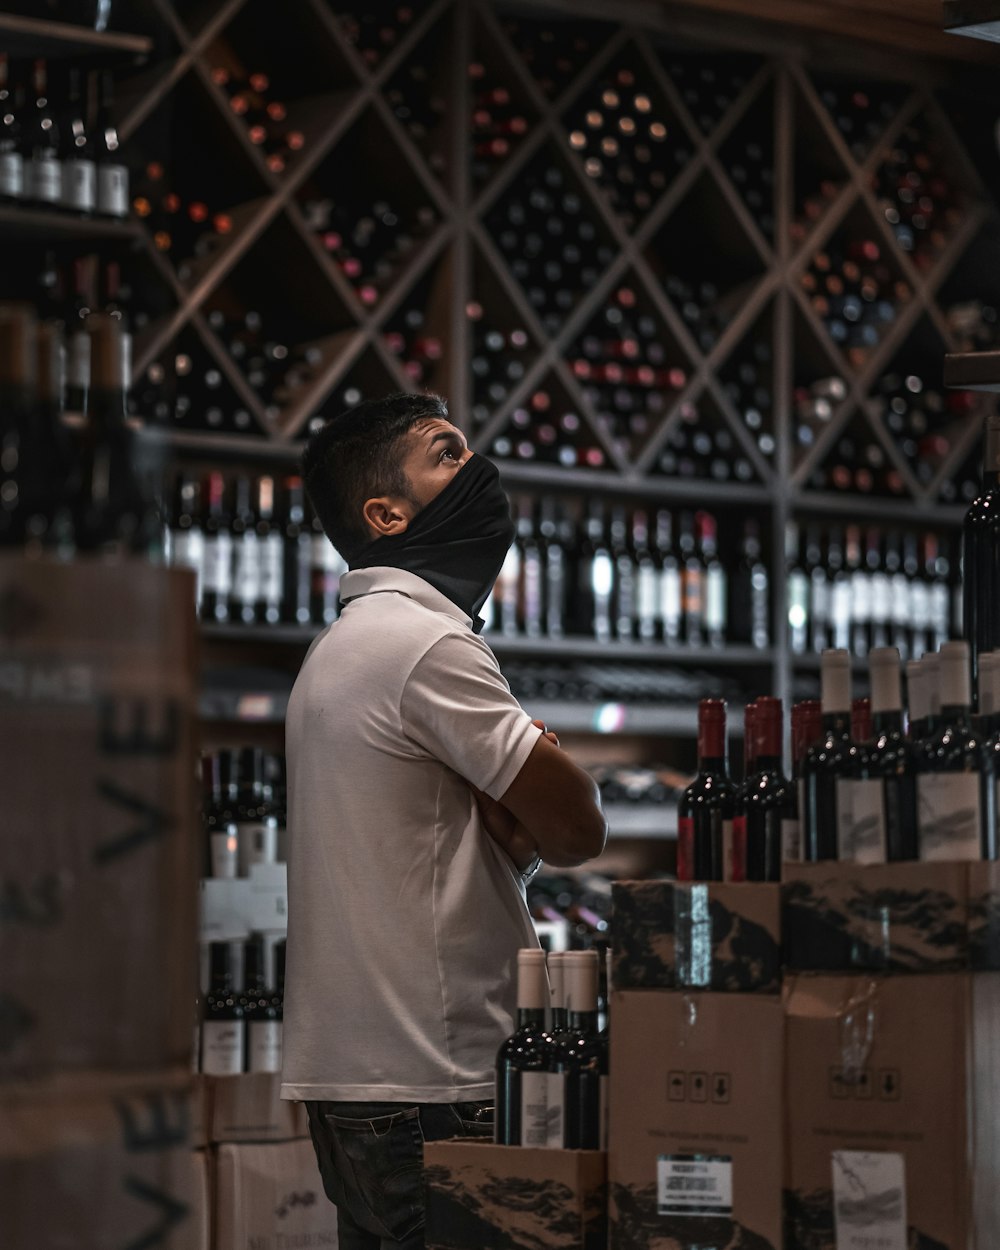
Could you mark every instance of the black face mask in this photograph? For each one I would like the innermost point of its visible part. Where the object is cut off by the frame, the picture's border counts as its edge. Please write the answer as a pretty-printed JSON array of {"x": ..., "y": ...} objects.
[{"x": 458, "y": 542}]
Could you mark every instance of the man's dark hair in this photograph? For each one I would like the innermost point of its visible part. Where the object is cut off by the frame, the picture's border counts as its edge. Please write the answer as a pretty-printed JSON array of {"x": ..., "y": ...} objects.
[{"x": 357, "y": 456}]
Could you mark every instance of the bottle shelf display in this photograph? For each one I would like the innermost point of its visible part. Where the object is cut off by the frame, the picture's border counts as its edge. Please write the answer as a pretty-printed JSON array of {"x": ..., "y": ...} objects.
[{"x": 550, "y": 286}]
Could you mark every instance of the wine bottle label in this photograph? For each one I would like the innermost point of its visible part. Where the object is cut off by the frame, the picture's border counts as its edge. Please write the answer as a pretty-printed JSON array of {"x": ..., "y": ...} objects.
[
  {"x": 940, "y": 610},
  {"x": 246, "y": 569},
  {"x": 685, "y": 848},
  {"x": 625, "y": 599},
  {"x": 693, "y": 588},
  {"x": 555, "y": 586},
  {"x": 533, "y": 593},
  {"x": 78, "y": 361},
  {"x": 602, "y": 576},
  {"x": 695, "y": 1184},
  {"x": 948, "y": 816},
  {"x": 222, "y": 1047},
  {"x": 647, "y": 594},
  {"x": 920, "y": 605},
  {"x": 671, "y": 604},
  {"x": 791, "y": 842},
  {"x": 43, "y": 178},
  {"x": 899, "y": 599},
  {"x": 272, "y": 569},
  {"x": 259, "y": 841},
  {"x": 819, "y": 597},
  {"x": 225, "y": 854},
  {"x": 187, "y": 551},
  {"x": 555, "y": 1110},
  {"x": 840, "y": 612},
  {"x": 534, "y": 1109},
  {"x": 79, "y": 185},
  {"x": 11, "y": 175},
  {"x": 325, "y": 555},
  {"x": 715, "y": 600},
  {"x": 798, "y": 602},
  {"x": 112, "y": 190},
  {"x": 869, "y": 1200},
  {"x": 264, "y": 1049},
  {"x": 508, "y": 588},
  {"x": 861, "y": 597},
  {"x": 860, "y": 821},
  {"x": 218, "y": 563},
  {"x": 881, "y": 589},
  {"x": 734, "y": 849}
]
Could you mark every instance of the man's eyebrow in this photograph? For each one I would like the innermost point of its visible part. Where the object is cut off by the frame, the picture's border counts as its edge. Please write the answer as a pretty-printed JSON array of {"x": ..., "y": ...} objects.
[{"x": 450, "y": 436}]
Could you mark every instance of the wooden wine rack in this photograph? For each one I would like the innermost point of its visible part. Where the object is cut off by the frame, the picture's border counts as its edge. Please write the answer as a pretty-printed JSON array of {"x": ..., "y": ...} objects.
[{"x": 339, "y": 101}]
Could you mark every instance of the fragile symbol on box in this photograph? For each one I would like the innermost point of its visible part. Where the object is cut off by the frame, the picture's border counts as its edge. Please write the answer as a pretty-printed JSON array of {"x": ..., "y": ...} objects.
[{"x": 694, "y": 1185}]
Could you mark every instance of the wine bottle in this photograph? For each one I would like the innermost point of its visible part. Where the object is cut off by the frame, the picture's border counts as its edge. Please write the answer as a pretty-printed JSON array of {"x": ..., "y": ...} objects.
[
  {"x": 223, "y": 1033},
  {"x": 246, "y": 555},
  {"x": 624, "y": 590},
  {"x": 956, "y": 794},
  {"x": 328, "y": 566},
  {"x": 217, "y": 575},
  {"x": 715, "y": 581},
  {"x": 12, "y": 116},
  {"x": 825, "y": 762},
  {"x": 890, "y": 757},
  {"x": 981, "y": 554},
  {"x": 766, "y": 798},
  {"x": 595, "y": 578},
  {"x": 84, "y": 299},
  {"x": 917, "y": 700},
  {"x": 112, "y": 174},
  {"x": 219, "y": 805},
  {"x": 255, "y": 817},
  {"x": 17, "y": 397},
  {"x": 692, "y": 583},
  {"x": 521, "y": 1068},
  {"x": 79, "y": 171},
  {"x": 271, "y": 549},
  {"x": 187, "y": 539},
  {"x": 861, "y": 719},
  {"x": 796, "y": 592},
  {"x": 577, "y": 1061},
  {"x": 750, "y": 619},
  {"x": 263, "y": 1023},
  {"x": 43, "y": 171},
  {"x": 297, "y": 558},
  {"x": 671, "y": 584},
  {"x": 807, "y": 729},
  {"x": 558, "y": 1016},
  {"x": 706, "y": 845}
]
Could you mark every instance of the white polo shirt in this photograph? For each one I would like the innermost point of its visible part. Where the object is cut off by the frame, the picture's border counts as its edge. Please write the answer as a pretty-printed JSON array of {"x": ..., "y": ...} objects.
[{"x": 404, "y": 917}]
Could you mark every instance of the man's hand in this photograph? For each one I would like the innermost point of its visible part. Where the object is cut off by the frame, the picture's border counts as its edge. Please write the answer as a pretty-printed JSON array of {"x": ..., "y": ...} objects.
[{"x": 503, "y": 827}]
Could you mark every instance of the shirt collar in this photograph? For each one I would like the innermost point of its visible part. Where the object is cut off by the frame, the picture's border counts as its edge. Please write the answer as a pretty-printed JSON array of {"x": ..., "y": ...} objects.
[{"x": 360, "y": 582}]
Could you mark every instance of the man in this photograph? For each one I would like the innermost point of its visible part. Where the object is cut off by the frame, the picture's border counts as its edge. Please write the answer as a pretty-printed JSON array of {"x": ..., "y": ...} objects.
[{"x": 420, "y": 796}]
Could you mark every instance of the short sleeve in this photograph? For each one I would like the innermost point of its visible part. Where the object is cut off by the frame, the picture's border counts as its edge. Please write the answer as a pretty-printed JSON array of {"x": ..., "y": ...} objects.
[{"x": 457, "y": 706}]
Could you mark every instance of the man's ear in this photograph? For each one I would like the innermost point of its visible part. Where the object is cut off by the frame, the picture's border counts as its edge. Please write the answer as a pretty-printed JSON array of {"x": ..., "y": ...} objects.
[{"x": 385, "y": 516}]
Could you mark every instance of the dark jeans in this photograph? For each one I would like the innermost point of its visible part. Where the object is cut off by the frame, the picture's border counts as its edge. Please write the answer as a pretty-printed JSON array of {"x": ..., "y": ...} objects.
[{"x": 370, "y": 1156}]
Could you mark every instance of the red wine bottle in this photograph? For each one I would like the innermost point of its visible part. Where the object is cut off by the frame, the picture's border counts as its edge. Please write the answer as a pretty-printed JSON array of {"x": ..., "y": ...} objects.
[
  {"x": 981, "y": 555},
  {"x": 578, "y": 1059},
  {"x": 298, "y": 554},
  {"x": 263, "y": 1023},
  {"x": 522, "y": 1061},
  {"x": 223, "y": 1032},
  {"x": 807, "y": 729},
  {"x": 956, "y": 793},
  {"x": 828, "y": 760},
  {"x": 890, "y": 756},
  {"x": 706, "y": 845},
  {"x": 766, "y": 798}
]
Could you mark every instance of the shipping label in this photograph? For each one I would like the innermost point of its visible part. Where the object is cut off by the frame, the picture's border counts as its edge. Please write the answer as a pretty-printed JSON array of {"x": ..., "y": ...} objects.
[{"x": 694, "y": 1185}]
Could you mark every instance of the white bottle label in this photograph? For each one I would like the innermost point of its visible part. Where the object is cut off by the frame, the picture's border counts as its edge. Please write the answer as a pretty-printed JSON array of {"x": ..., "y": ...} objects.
[
  {"x": 272, "y": 569},
  {"x": 948, "y": 816},
  {"x": 534, "y": 1109},
  {"x": 670, "y": 591},
  {"x": 791, "y": 842},
  {"x": 881, "y": 589},
  {"x": 715, "y": 600},
  {"x": 260, "y": 841},
  {"x": 860, "y": 821},
  {"x": 694, "y": 1184},
  {"x": 246, "y": 569},
  {"x": 222, "y": 1047},
  {"x": 225, "y": 854},
  {"x": 647, "y": 593},
  {"x": 218, "y": 563},
  {"x": 555, "y": 1110},
  {"x": 920, "y": 605},
  {"x": 264, "y": 1050},
  {"x": 78, "y": 361},
  {"x": 869, "y": 1200},
  {"x": 187, "y": 551},
  {"x": 861, "y": 597},
  {"x": 11, "y": 175},
  {"x": 112, "y": 190},
  {"x": 44, "y": 179},
  {"x": 900, "y": 599},
  {"x": 510, "y": 577},
  {"x": 819, "y": 597},
  {"x": 940, "y": 599},
  {"x": 840, "y": 608},
  {"x": 79, "y": 185}
]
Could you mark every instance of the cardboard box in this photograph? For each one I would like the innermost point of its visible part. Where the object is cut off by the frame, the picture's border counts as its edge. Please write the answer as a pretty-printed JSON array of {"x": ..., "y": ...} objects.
[
  {"x": 105, "y": 1163},
  {"x": 100, "y": 853},
  {"x": 696, "y": 1138},
  {"x": 893, "y": 1098},
  {"x": 714, "y": 936},
  {"x": 480, "y": 1194},
  {"x": 271, "y": 1198},
  {"x": 249, "y": 1108},
  {"x": 911, "y": 917}
]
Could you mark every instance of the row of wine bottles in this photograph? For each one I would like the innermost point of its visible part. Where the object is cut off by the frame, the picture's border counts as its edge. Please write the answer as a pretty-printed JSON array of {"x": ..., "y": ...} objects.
[
  {"x": 858, "y": 588},
  {"x": 552, "y": 1072},
  {"x": 243, "y": 810},
  {"x": 58, "y": 143},
  {"x": 90, "y": 489},
  {"x": 620, "y": 577},
  {"x": 866, "y": 790},
  {"x": 241, "y": 1015},
  {"x": 265, "y": 117}
]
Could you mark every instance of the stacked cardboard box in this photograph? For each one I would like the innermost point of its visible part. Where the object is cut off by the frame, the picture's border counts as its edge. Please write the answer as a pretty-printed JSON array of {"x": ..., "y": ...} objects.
[
  {"x": 893, "y": 1073},
  {"x": 98, "y": 879},
  {"x": 696, "y": 1137}
]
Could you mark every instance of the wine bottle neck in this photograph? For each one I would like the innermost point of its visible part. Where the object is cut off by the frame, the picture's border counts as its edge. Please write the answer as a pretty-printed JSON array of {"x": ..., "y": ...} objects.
[
  {"x": 890, "y": 722},
  {"x": 715, "y": 764},
  {"x": 583, "y": 1022},
  {"x": 837, "y": 723},
  {"x": 530, "y": 1018},
  {"x": 560, "y": 1017}
]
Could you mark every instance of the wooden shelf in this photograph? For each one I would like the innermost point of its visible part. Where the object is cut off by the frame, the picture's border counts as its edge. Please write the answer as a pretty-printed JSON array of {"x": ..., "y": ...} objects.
[
  {"x": 35, "y": 36},
  {"x": 56, "y": 227},
  {"x": 979, "y": 19},
  {"x": 973, "y": 371}
]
